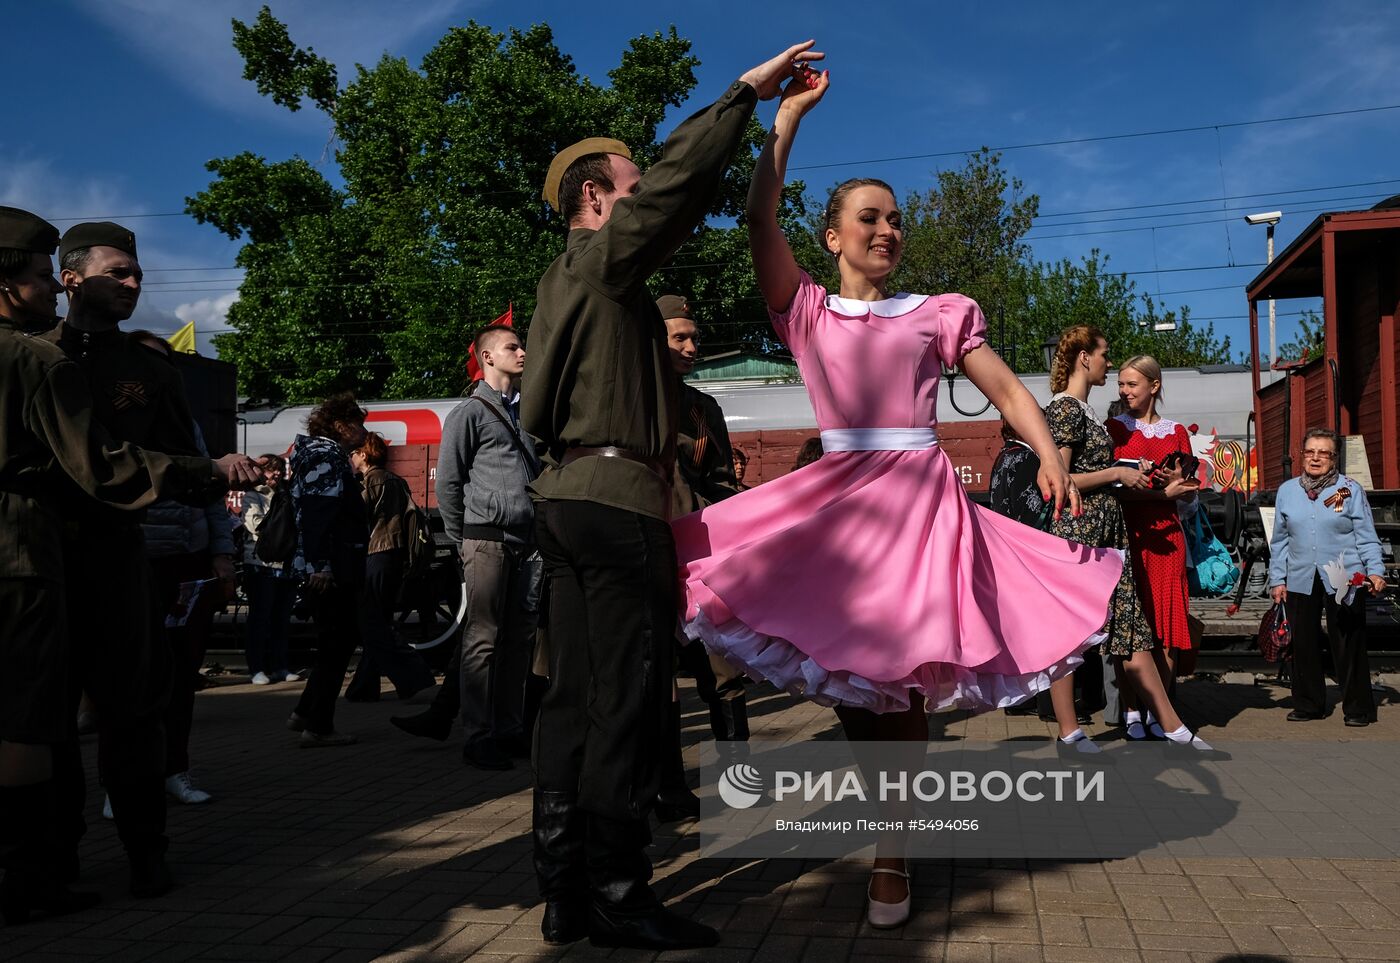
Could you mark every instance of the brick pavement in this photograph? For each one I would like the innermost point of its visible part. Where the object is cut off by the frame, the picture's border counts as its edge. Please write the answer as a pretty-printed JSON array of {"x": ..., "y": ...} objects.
[{"x": 392, "y": 850}]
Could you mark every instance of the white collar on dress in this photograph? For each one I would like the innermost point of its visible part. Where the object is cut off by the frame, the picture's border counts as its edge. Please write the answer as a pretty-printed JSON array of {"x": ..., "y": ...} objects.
[
  {"x": 1163, "y": 428},
  {"x": 1088, "y": 408},
  {"x": 893, "y": 307}
]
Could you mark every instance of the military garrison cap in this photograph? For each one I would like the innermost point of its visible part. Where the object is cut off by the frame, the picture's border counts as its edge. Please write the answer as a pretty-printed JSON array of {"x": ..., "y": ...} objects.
[
  {"x": 97, "y": 234},
  {"x": 566, "y": 157},
  {"x": 22, "y": 231},
  {"x": 674, "y": 306}
]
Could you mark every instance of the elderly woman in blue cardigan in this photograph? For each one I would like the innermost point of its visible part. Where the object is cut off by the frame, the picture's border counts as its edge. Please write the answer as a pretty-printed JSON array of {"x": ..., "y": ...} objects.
[{"x": 1325, "y": 556}]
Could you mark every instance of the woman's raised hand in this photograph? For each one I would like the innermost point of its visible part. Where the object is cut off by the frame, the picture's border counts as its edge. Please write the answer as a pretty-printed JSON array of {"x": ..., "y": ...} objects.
[
  {"x": 768, "y": 77},
  {"x": 805, "y": 90}
]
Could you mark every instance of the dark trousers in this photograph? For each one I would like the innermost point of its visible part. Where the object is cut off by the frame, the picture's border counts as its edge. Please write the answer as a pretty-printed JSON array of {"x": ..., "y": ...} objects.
[
  {"x": 187, "y": 644},
  {"x": 126, "y": 670},
  {"x": 270, "y": 600},
  {"x": 503, "y": 595},
  {"x": 610, "y": 584},
  {"x": 1346, "y": 636},
  {"x": 385, "y": 652},
  {"x": 336, "y": 614}
]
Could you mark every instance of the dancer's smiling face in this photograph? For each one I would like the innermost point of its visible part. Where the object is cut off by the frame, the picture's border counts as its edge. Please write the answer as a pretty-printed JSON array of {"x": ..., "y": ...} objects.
[{"x": 867, "y": 234}]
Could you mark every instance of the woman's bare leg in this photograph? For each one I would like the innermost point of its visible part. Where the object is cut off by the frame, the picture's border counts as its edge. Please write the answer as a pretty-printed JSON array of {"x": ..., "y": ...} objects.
[{"x": 910, "y": 726}]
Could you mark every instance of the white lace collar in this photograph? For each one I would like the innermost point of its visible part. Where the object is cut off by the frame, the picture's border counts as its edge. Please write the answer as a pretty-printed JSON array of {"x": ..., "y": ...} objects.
[
  {"x": 1162, "y": 428},
  {"x": 1088, "y": 408},
  {"x": 892, "y": 307}
]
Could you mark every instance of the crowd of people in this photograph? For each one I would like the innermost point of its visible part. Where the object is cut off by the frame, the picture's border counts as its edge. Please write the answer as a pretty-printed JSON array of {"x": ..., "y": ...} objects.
[{"x": 587, "y": 491}]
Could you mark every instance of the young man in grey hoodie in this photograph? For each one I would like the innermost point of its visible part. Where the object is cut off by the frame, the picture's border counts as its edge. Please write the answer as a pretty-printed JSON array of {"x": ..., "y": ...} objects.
[{"x": 484, "y": 465}]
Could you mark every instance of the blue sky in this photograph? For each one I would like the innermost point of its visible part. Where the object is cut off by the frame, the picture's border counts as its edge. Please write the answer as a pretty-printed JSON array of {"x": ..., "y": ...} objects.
[{"x": 129, "y": 98}]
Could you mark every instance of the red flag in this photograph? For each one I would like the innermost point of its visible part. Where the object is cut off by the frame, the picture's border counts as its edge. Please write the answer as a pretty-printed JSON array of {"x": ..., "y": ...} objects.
[{"x": 474, "y": 366}]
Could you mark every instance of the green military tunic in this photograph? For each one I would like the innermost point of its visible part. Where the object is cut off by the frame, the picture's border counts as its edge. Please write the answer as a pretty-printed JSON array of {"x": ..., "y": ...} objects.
[
  {"x": 49, "y": 439},
  {"x": 704, "y": 457},
  {"x": 600, "y": 373},
  {"x": 138, "y": 396}
]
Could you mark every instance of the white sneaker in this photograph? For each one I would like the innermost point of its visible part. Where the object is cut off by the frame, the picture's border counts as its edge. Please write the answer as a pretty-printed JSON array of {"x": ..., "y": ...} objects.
[
  {"x": 260, "y": 678},
  {"x": 291, "y": 677},
  {"x": 107, "y": 808},
  {"x": 182, "y": 787}
]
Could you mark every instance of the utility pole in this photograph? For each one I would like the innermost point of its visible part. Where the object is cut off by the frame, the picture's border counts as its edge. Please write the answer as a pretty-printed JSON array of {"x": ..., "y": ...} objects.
[{"x": 1269, "y": 219}]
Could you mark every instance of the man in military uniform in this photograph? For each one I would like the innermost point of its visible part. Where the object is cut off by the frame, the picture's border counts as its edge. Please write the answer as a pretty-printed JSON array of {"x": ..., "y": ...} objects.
[
  {"x": 138, "y": 397},
  {"x": 601, "y": 395},
  {"x": 47, "y": 433},
  {"x": 704, "y": 475}
]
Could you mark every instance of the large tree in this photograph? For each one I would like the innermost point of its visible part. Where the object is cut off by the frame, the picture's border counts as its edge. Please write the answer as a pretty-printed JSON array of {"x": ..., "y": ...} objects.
[{"x": 378, "y": 285}]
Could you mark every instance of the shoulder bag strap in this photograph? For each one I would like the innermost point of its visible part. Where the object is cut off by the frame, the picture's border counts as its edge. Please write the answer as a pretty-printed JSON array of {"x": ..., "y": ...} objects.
[{"x": 530, "y": 459}]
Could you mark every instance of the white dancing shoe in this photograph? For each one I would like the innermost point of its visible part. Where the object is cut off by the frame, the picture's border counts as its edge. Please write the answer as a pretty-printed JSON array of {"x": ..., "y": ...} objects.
[{"x": 887, "y": 916}]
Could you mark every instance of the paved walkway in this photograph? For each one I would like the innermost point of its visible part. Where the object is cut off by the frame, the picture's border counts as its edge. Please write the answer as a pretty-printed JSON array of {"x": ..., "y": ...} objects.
[{"x": 393, "y": 850}]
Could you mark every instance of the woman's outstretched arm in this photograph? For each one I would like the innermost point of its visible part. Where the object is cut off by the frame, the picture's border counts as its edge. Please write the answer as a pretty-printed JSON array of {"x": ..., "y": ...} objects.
[
  {"x": 778, "y": 273},
  {"x": 985, "y": 369}
]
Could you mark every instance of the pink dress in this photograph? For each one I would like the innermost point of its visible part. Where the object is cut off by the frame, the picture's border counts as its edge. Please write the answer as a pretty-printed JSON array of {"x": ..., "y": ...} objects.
[{"x": 869, "y": 572}]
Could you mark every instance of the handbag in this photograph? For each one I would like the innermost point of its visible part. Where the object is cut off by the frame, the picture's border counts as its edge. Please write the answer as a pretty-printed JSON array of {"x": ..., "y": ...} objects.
[
  {"x": 1214, "y": 571},
  {"x": 277, "y": 535},
  {"x": 1275, "y": 634}
]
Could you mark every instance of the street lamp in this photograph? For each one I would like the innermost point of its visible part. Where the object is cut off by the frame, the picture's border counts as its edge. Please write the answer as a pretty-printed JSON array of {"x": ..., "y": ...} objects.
[
  {"x": 1048, "y": 346},
  {"x": 1269, "y": 219}
]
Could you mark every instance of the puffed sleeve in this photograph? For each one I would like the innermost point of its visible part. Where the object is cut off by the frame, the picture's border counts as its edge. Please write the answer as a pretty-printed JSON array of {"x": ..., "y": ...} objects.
[
  {"x": 1066, "y": 420},
  {"x": 795, "y": 324},
  {"x": 961, "y": 327},
  {"x": 1183, "y": 440}
]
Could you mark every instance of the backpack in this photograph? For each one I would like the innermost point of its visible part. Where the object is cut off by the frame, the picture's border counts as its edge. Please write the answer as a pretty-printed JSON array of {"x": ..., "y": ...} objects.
[
  {"x": 418, "y": 542},
  {"x": 277, "y": 535},
  {"x": 1214, "y": 571}
]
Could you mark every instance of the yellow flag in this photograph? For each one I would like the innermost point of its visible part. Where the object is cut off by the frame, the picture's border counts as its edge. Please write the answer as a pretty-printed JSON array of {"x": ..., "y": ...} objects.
[{"x": 183, "y": 340}]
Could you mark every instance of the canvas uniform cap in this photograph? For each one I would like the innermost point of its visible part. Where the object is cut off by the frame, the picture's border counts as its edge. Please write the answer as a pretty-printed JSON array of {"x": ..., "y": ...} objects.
[
  {"x": 22, "y": 231},
  {"x": 566, "y": 157},
  {"x": 674, "y": 306},
  {"x": 97, "y": 234}
]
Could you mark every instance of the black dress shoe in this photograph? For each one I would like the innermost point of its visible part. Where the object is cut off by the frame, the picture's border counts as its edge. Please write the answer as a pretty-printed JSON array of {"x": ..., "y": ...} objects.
[
  {"x": 21, "y": 898},
  {"x": 429, "y": 725},
  {"x": 565, "y": 921},
  {"x": 485, "y": 755},
  {"x": 1298, "y": 715},
  {"x": 675, "y": 806},
  {"x": 517, "y": 747},
  {"x": 1356, "y": 721},
  {"x": 658, "y": 929}
]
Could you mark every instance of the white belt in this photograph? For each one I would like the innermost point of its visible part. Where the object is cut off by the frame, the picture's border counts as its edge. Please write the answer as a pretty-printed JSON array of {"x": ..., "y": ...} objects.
[{"x": 879, "y": 439}]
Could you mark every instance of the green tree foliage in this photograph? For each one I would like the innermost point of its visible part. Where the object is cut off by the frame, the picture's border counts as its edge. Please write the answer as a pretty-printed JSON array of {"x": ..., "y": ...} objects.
[
  {"x": 376, "y": 279},
  {"x": 379, "y": 286},
  {"x": 1308, "y": 343}
]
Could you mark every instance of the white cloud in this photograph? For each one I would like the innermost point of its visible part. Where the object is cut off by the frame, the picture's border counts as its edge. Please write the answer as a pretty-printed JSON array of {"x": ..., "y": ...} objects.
[{"x": 193, "y": 41}]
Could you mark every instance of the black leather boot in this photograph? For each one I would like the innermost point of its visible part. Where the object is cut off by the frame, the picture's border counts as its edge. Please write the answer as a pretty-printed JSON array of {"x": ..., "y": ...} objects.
[
  {"x": 559, "y": 831},
  {"x": 431, "y": 723},
  {"x": 33, "y": 858},
  {"x": 729, "y": 719},
  {"x": 625, "y": 910},
  {"x": 674, "y": 801}
]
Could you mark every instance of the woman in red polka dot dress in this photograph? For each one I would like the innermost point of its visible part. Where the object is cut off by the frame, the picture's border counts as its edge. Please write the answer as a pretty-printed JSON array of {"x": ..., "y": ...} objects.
[{"x": 1155, "y": 535}]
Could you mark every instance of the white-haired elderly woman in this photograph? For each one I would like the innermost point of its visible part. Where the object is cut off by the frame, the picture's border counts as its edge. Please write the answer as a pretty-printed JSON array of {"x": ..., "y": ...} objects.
[{"x": 1325, "y": 557}]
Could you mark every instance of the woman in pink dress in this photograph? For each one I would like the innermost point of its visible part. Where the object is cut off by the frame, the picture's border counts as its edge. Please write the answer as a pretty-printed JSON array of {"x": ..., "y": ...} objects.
[{"x": 867, "y": 580}]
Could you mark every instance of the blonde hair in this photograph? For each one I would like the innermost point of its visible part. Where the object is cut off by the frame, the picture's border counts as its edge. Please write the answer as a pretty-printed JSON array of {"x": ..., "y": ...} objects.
[
  {"x": 1150, "y": 369},
  {"x": 1081, "y": 337}
]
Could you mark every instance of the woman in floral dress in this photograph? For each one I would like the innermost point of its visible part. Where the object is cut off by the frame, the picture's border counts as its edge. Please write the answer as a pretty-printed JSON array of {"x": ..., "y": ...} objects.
[{"x": 1081, "y": 362}]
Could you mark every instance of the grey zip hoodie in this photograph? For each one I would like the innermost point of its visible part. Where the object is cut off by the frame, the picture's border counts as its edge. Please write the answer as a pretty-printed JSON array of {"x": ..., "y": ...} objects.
[{"x": 482, "y": 473}]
